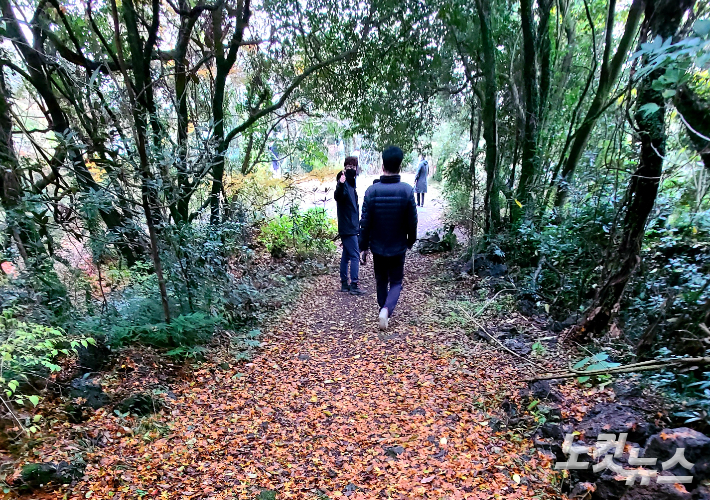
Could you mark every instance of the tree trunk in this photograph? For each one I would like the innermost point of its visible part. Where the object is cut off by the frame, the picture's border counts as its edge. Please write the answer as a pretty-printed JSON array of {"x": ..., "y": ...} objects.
[
  {"x": 246, "y": 162},
  {"x": 128, "y": 239},
  {"x": 218, "y": 167},
  {"x": 489, "y": 115},
  {"x": 544, "y": 56},
  {"x": 224, "y": 63},
  {"x": 530, "y": 157},
  {"x": 664, "y": 18},
  {"x": 142, "y": 106},
  {"x": 607, "y": 78},
  {"x": 475, "y": 139},
  {"x": 181, "y": 206}
]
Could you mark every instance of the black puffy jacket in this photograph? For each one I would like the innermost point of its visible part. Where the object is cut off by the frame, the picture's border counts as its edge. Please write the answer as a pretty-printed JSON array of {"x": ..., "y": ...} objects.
[
  {"x": 388, "y": 225},
  {"x": 348, "y": 208}
]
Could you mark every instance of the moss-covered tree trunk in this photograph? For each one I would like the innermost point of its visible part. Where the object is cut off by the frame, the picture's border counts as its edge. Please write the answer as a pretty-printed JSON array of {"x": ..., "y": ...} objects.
[
  {"x": 664, "y": 17},
  {"x": 610, "y": 70},
  {"x": 489, "y": 116},
  {"x": 530, "y": 161}
]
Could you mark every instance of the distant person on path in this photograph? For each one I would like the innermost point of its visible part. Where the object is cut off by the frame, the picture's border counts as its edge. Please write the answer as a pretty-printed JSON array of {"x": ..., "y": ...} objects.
[
  {"x": 348, "y": 226},
  {"x": 388, "y": 227},
  {"x": 420, "y": 180}
]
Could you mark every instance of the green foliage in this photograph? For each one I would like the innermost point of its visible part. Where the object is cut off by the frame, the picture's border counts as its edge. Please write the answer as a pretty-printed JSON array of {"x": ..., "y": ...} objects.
[
  {"x": 29, "y": 351},
  {"x": 185, "y": 331},
  {"x": 572, "y": 250},
  {"x": 245, "y": 344},
  {"x": 690, "y": 393},
  {"x": 306, "y": 234},
  {"x": 311, "y": 149},
  {"x": 682, "y": 58},
  {"x": 595, "y": 362},
  {"x": 458, "y": 182}
]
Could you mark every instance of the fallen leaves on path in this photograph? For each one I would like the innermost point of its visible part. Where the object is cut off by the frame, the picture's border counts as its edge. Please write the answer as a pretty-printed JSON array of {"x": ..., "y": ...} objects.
[{"x": 330, "y": 408}]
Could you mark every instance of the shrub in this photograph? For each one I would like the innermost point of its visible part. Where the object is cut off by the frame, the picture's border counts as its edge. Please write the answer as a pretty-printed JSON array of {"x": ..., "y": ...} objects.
[
  {"x": 572, "y": 249},
  {"x": 29, "y": 351},
  {"x": 185, "y": 330},
  {"x": 306, "y": 234}
]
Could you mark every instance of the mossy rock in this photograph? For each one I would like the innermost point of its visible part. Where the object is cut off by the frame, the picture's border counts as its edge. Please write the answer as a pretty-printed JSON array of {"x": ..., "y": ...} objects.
[
  {"x": 35, "y": 476},
  {"x": 266, "y": 495},
  {"x": 140, "y": 404},
  {"x": 92, "y": 393}
]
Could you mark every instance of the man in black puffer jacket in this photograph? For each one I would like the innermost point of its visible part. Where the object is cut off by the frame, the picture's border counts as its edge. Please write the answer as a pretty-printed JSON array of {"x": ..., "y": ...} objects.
[
  {"x": 388, "y": 227},
  {"x": 348, "y": 214}
]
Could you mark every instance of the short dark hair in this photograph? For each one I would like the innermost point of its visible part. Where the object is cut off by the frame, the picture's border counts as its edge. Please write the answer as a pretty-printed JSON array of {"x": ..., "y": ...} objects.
[
  {"x": 392, "y": 158},
  {"x": 351, "y": 160}
]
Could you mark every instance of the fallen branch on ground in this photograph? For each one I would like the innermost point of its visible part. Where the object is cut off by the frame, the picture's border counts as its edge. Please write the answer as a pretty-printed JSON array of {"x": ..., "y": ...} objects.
[
  {"x": 654, "y": 364},
  {"x": 500, "y": 344}
]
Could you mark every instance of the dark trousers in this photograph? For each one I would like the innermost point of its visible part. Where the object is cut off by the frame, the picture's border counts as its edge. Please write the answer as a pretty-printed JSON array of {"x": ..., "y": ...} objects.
[
  {"x": 422, "y": 202},
  {"x": 351, "y": 254},
  {"x": 389, "y": 272}
]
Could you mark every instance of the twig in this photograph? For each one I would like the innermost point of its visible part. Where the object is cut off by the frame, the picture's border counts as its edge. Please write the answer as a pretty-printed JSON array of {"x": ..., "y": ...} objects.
[
  {"x": 537, "y": 367},
  {"x": 656, "y": 364},
  {"x": 13, "y": 415},
  {"x": 490, "y": 301}
]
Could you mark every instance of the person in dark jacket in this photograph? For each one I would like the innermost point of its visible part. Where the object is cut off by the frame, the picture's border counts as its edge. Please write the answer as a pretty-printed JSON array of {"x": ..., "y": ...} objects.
[
  {"x": 348, "y": 226},
  {"x": 388, "y": 227},
  {"x": 420, "y": 180}
]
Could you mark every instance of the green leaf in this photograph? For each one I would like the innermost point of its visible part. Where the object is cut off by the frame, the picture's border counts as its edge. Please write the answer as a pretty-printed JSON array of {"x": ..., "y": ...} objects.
[
  {"x": 600, "y": 356},
  {"x": 668, "y": 93},
  {"x": 582, "y": 380},
  {"x": 580, "y": 364},
  {"x": 34, "y": 400},
  {"x": 649, "y": 109},
  {"x": 533, "y": 404},
  {"x": 702, "y": 27},
  {"x": 672, "y": 75},
  {"x": 658, "y": 85}
]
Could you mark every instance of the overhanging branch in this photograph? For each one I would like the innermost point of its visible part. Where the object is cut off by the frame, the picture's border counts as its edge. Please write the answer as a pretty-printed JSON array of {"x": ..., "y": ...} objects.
[{"x": 294, "y": 85}]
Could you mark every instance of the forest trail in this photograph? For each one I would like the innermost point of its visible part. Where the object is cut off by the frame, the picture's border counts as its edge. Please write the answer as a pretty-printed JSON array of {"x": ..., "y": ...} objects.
[
  {"x": 319, "y": 194},
  {"x": 330, "y": 408}
]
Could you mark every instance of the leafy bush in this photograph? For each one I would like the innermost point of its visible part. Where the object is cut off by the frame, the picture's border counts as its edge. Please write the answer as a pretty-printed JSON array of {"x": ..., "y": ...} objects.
[
  {"x": 573, "y": 250},
  {"x": 205, "y": 271},
  {"x": 245, "y": 344},
  {"x": 29, "y": 351},
  {"x": 185, "y": 330},
  {"x": 458, "y": 182},
  {"x": 306, "y": 234},
  {"x": 690, "y": 395}
]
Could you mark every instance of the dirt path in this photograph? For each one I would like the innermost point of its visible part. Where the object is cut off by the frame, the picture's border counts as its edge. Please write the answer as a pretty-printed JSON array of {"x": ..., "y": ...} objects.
[
  {"x": 329, "y": 408},
  {"x": 320, "y": 194}
]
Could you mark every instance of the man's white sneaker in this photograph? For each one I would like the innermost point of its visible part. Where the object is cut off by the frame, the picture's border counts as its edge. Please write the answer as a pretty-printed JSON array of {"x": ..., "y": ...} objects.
[{"x": 384, "y": 318}]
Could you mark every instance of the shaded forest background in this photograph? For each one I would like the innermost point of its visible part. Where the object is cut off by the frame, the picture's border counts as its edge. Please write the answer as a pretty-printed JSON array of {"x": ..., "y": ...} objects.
[{"x": 151, "y": 149}]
